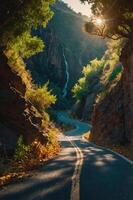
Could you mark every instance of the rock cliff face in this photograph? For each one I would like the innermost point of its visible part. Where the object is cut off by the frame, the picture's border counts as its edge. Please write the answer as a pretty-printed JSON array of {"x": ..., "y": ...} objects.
[
  {"x": 113, "y": 117},
  {"x": 108, "y": 118},
  {"x": 48, "y": 65},
  {"x": 17, "y": 116},
  {"x": 127, "y": 60}
]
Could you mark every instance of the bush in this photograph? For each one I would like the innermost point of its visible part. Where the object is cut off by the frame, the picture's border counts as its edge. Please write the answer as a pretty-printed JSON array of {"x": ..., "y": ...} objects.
[
  {"x": 91, "y": 73},
  {"x": 22, "y": 150},
  {"x": 41, "y": 97}
]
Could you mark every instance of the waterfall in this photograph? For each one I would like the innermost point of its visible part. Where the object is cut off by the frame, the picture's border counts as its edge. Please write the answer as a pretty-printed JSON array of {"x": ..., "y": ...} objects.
[{"x": 67, "y": 75}]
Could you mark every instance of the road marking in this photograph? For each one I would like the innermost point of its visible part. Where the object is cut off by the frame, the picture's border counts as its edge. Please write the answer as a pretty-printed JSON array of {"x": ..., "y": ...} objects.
[
  {"x": 107, "y": 149},
  {"x": 75, "y": 190}
]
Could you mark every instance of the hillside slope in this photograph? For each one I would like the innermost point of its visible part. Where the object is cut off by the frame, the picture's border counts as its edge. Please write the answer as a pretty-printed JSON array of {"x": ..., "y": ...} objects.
[
  {"x": 66, "y": 42},
  {"x": 18, "y": 116}
]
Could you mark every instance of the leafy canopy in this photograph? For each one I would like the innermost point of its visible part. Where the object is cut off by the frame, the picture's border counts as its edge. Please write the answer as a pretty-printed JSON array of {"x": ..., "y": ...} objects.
[
  {"x": 117, "y": 16},
  {"x": 19, "y": 16},
  {"x": 26, "y": 45}
]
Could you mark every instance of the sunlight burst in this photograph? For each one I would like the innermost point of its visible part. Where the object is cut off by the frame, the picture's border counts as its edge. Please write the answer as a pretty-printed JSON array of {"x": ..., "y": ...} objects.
[{"x": 99, "y": 21}]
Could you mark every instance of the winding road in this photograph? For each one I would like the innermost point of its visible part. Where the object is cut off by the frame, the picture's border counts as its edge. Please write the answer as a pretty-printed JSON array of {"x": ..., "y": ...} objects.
[{"x": 82, "y": 171}]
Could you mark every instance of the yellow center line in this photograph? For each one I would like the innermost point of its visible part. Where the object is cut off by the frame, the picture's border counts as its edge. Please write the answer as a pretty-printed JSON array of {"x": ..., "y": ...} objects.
[{"x": 75, "y": 190}]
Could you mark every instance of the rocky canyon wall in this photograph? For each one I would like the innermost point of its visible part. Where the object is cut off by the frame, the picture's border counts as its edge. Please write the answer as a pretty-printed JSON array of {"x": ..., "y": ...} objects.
[
  {"x": 113, "y": 117},
  {"x": 17, "y": 116},
  {"x": 127, "y": 79}
]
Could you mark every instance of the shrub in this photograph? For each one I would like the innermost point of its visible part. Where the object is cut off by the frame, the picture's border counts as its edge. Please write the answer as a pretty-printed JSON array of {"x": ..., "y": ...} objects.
[
  {"x": 90, "y": 73},
  {"x": 22, "y": 150},
  {"x": 52, "y": 146},
  {"x": 80, "y": 89},
  {"x": 41, "y": 97}
]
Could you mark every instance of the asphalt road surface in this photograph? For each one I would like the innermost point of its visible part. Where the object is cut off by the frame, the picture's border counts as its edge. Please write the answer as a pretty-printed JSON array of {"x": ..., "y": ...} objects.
[{"x": 82, "y": 171}]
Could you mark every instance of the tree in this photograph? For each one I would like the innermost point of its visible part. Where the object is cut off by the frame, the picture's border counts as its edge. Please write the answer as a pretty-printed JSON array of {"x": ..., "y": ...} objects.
[
  {"x": 26, "y": 45},
  {"x": 116, "y": 18},
  {"x": 19, "y": 16}
]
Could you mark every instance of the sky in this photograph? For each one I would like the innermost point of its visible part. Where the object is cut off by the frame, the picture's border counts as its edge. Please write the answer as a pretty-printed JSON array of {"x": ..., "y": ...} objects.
[{"x": 78, "y": 7}]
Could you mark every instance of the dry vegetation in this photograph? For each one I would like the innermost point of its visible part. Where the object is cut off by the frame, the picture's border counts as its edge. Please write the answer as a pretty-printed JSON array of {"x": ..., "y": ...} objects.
[{"x": 28, "y": 158}]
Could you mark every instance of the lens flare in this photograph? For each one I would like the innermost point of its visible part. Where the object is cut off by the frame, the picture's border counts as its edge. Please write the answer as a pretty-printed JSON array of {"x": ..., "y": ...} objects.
[{"x": 99, "y": 21}]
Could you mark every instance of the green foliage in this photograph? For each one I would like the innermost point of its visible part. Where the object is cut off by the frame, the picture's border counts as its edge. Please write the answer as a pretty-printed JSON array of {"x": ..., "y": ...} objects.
[
  {"x": 18, "y": 17},
  {"x": 52, "y": 137},
  {"x": 26, "y": 45},
  {"x": 17, "y": 64},
  {"x": 91, "y": 74},
  {"x": 66, "y": 25},
  {"x": 41, "y": 97},
  {"x": 95, "y": 67},
  {"x": 80, "y": 89},
  {"x": 100, "y": 75},
  {"x": 22, "y": 150},
  {"x": 112, "y": 66}
]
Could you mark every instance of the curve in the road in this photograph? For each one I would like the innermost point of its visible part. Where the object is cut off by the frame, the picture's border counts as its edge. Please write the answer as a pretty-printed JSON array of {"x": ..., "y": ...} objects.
[
  {"x": 63, "y": 117},
  {"x": 81, "y": 128},
  {"x": 81, "y": 171}
]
